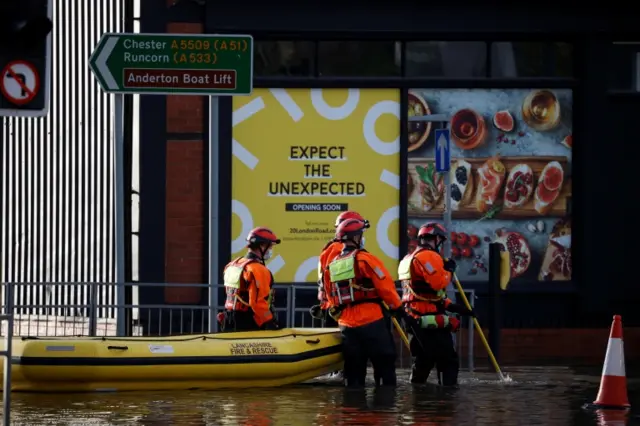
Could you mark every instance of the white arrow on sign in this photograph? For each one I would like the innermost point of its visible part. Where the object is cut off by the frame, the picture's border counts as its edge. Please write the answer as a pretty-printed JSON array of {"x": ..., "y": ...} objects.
[
  {"x": 442, "y": 147},
  {"x": 101, "y": 63}
]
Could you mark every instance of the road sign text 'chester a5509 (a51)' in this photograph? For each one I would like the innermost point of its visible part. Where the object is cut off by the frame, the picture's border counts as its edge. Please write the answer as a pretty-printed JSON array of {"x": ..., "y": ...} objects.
[{"x": 196, "y": 64}]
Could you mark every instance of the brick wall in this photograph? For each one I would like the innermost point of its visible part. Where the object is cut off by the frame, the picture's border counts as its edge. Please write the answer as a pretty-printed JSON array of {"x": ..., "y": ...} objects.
[
  {"x": 185, "y": 207},
  {"x": 560, "y": 346}
]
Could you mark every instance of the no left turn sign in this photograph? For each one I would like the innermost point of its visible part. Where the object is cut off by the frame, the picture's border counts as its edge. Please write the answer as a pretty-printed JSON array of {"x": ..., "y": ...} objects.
[{"x": 20, "y": 82}]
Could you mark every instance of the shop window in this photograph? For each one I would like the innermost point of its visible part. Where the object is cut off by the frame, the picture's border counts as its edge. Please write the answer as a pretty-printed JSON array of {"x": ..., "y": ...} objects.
[
  {"x": 623, "y": 70},
  {"x": 357, "y": 59},
  {"x": 284, "y": 58},
  {"x": 531, "y": 59},
  {"x": 453, "y": 59},
  {"x": 563, "y": 55}
]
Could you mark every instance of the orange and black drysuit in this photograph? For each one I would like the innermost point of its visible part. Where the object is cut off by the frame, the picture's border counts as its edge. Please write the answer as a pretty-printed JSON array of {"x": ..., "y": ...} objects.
[
  {"x": 424, "y": 280},
  {"x": 248, "y": 282},
  {"x": 356, "y": 283}
]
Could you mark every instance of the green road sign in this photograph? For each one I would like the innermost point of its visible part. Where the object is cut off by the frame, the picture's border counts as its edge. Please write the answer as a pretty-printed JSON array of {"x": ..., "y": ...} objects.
[{"x": 174, "y": 64}]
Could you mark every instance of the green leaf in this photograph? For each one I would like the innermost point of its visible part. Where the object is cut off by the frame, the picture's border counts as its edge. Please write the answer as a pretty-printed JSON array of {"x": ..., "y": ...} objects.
[
  {"x": 430, "y": 169},
  {"x": 421, "y": 172},
  {"x": 426, "y": 174},
  {"x": 493, "y": 211}
]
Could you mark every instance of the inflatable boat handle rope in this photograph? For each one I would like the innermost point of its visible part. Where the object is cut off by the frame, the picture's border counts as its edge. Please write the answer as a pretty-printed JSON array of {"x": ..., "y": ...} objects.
[
  {"x": 475, "y": 321},
  {"x": 160, "y": 339}
]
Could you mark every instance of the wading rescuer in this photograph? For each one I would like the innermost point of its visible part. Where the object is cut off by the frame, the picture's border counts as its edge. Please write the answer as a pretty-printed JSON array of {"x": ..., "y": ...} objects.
[
  {"x": 248, "y": 282},
  {"x": 356, "y": 283},
  {"x": 329, "y": 252},
  {"x": 425, "y": 275}
]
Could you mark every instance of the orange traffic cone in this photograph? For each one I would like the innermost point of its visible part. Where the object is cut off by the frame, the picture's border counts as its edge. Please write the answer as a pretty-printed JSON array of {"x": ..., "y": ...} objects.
[{"x": 613, "y": 385}]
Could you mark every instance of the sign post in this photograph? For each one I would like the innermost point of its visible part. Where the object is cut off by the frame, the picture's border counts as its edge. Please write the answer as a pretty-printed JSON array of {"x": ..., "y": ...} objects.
[
  {"x": 172, "y": 64},
  {"x": 443, "y": 165}
]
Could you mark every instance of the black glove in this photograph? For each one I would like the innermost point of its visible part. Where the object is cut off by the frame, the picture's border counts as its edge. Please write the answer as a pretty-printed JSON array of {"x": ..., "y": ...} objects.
[
  {"x": 270, "y": 325},
  {"x": 410, "y": 323},
  {"x": 450, "y": 265},
  {"x": 461, "y": 309},
  {"x": 398, "y": 313},
  {"x": 316, "y": 312},
  {"x": 335, "y": 312}
]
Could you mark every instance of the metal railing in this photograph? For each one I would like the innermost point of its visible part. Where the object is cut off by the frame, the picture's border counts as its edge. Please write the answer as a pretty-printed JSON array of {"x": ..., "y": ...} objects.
[
  {"x": 7, "y": 316},
  {"x": 82, "y": 311}
]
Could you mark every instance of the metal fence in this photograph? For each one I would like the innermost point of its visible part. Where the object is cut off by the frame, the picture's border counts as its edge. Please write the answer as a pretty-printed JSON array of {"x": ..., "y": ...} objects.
[{"x": 86, "y": 314}]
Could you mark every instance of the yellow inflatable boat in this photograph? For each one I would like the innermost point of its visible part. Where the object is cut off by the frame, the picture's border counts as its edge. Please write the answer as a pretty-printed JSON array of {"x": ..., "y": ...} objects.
[{"x": 210, "y": 361}]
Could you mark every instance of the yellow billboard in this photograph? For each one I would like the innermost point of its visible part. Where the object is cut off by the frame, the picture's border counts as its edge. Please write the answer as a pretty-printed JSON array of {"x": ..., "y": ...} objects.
[{"x": 301, "y": 156}]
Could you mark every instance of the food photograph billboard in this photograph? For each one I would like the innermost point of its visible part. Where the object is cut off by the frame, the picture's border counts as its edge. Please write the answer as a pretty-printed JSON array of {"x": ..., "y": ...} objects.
[
  {"x": 302, "y": 156},
  {"x": 510, "y": 177}
]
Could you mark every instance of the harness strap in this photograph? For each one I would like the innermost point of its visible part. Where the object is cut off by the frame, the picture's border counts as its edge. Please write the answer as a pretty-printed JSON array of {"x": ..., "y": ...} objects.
[
  {"x": 336, "y": 311},
  {"x": 422, "y": 298}
]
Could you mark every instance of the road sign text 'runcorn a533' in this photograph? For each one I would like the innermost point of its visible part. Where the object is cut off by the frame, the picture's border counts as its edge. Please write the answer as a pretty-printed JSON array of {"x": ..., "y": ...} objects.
[{"x": 170, "y": 64}]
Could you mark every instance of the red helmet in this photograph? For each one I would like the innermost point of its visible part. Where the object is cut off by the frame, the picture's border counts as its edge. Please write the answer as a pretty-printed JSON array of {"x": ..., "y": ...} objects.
[
  {"x": 350, "y": 228},
  {"x": 262, "y": 235},
  {"x": 350, "y": 215},
  {"x": 432, "y": 229}
]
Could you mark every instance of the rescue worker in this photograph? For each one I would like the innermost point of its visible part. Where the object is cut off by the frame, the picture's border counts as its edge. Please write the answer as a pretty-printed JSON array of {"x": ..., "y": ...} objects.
[
  {"x": 248, "y": 282},
  {"x": 424, "y": 275},
  {"x": 356, "y": 284},
  {"x": 329, "y": 252}
]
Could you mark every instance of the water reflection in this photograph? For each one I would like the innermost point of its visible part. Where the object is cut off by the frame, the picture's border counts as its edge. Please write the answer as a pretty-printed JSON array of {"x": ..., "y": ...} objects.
[{"x": 538, "y": 396}]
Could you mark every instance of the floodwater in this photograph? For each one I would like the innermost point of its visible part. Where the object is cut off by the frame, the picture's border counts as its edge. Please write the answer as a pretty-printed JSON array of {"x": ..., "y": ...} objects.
[{"x": 536, "y": 396}]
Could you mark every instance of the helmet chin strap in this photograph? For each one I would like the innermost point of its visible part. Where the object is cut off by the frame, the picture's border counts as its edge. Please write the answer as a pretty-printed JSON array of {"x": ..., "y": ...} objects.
[
  {"x": 263, "y": 252},
  {"x": 437, "y": 244},
  {"x": 353, "y": 240}
]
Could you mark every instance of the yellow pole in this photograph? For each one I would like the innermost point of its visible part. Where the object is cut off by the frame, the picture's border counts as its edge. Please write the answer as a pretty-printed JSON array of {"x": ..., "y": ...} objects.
[
  {"x": 401, "y": 332},
  {"x": 475, "y": 321}
]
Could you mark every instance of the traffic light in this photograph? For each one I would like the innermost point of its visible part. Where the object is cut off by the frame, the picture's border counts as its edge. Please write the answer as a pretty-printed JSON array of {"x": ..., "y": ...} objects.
[{"x": 25, "y": 28}]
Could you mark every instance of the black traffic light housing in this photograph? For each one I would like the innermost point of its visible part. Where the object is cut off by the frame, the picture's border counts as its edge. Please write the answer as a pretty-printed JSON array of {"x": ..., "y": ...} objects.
[
  {"x": 24, "y": 53},
  {"x": 23, "y": 24}
]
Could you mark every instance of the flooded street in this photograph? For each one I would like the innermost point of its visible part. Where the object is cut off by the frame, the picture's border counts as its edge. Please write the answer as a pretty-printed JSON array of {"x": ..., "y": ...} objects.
[{"x": 537, "y": 396}]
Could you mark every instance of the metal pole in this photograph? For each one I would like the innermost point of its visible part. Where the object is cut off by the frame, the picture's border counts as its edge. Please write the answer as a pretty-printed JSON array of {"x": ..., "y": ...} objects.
[
  {"x": 470, "y": 337},
  {"x": 495, "y": 318},
  {"x": 93, "y": 309},
  {"x": 214, "y": 211},
  {"x": 451, "y": 292},
  {"x": 119, "y": 214},
  {"x": 8, "y": 350},
  {"x": 636, "y": 75}
]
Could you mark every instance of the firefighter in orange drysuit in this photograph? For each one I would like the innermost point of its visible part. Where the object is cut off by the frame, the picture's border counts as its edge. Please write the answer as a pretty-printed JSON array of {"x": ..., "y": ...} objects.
[
  {"x": 356, "y": 283},
  {"x": 248, "y": 282},
  {"x": 329, "y": 252},
  {"x": 425, "y": 275}
]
